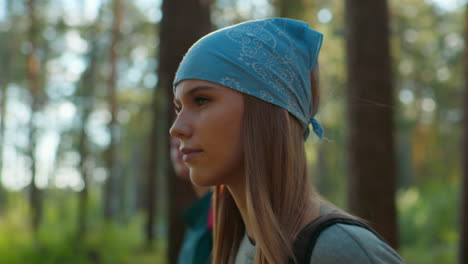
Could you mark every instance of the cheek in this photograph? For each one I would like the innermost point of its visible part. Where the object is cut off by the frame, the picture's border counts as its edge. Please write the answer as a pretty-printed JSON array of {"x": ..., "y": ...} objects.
[
  {"x": 223, "y": 168},
  {"x": 222, "y": 142}
]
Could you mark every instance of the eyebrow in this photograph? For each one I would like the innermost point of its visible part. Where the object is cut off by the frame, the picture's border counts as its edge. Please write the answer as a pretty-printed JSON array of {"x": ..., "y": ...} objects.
[{"x": 196, "y": 89}]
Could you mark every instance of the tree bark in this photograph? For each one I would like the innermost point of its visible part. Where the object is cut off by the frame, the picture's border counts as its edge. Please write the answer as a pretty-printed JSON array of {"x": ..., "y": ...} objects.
[
  {"x": 111, "y": 185},
  {"x": 464, "y": 200},
  {"x": 183, "y": 22},
  {"x": 371, "y": 151}
]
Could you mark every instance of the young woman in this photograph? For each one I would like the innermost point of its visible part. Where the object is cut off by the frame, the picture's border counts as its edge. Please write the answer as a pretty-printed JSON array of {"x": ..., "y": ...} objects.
[{"x": 245, "y": 101}]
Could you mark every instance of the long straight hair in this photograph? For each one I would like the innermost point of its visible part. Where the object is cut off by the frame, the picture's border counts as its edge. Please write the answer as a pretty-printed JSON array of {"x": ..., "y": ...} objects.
[{"x": 278, "y": 189}]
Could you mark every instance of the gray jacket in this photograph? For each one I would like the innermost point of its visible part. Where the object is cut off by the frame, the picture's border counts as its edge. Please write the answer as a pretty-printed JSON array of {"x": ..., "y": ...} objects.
[{"x": 339, "y": 243}]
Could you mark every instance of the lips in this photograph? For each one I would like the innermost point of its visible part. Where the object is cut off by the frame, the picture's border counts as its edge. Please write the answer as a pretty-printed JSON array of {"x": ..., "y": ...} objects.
[{"x": 190, "y": 153}]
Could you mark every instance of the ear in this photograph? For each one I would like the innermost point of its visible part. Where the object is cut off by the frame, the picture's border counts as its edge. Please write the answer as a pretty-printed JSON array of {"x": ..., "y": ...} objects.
[{"x": 314, "y": 84}]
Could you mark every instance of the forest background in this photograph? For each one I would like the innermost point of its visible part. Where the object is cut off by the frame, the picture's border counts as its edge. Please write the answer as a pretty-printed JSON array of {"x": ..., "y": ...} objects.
[{"x": 85, "y": 108}]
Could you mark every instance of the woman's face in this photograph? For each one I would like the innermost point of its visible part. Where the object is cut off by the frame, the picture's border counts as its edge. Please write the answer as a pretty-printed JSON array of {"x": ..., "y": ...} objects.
[{"x": 208, "y": 125}]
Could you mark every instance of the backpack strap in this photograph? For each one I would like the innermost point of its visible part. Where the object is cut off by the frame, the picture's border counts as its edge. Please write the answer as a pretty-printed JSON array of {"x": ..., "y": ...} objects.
[{"x": 305, "y": 242}]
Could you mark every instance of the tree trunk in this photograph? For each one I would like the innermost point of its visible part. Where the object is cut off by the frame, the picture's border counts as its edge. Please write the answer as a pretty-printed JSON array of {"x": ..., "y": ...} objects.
[
  {"x": 111, "y": 185},
  {"x": 371, "y": 151},
  {"x": 4, "y": 77},
  {"x": 3, "y": 102},
  {"x": 84, "y": 170},
  {"x": 33, "y": 75},
  {"x": 464, "y": 209},
  {"x": 87, "y": 105},
  {"x": 183, "y": 22}
]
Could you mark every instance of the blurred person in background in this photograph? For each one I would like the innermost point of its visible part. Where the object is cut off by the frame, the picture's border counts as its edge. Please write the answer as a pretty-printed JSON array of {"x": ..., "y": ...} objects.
[{"x": 198, "y": 238}]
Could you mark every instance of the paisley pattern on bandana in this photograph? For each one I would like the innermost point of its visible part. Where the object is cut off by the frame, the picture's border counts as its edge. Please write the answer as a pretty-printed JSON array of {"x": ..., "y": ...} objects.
[{"x": 270, "y": 59}]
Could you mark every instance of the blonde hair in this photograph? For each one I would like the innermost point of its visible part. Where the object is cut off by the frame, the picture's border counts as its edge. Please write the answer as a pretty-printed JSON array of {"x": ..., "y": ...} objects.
[{"x": 278, "y": 188}]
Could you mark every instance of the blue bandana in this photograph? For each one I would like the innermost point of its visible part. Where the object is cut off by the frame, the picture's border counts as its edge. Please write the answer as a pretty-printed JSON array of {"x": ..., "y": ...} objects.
[{"x": 270, "y": 59}]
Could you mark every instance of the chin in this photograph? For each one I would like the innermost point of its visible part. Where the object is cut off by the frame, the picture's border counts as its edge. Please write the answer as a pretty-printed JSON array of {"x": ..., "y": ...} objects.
[{"x": 201, "y": 179}]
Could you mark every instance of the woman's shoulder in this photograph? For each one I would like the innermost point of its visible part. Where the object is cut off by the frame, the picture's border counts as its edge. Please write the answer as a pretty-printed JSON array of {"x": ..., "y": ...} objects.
[{"x": 342, "y": 243}]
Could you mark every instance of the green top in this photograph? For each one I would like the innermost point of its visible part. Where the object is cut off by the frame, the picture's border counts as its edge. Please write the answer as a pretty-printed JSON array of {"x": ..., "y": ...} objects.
[{"x": 198, "y": 239}]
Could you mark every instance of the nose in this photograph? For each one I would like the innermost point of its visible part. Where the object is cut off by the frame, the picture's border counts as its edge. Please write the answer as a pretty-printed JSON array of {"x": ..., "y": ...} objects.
[{"x": 181, "y": 129}]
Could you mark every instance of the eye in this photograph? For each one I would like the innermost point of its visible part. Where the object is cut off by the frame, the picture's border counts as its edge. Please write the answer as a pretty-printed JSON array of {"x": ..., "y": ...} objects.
[{"x": 201, "y": 100}]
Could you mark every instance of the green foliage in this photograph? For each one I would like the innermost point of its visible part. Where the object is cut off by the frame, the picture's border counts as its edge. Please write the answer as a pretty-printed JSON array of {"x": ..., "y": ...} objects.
[
  {"x": 57, "y": 241},
  {"x": 428, "y": 224}
]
